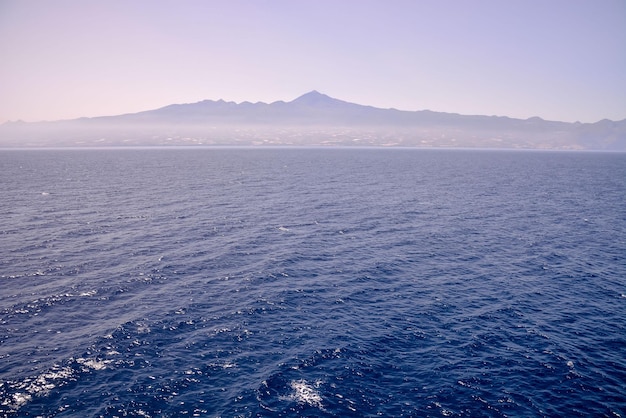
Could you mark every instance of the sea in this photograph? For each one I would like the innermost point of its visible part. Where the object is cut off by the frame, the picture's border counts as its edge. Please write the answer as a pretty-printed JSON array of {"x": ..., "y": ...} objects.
[{"x": 312, "y": 282}]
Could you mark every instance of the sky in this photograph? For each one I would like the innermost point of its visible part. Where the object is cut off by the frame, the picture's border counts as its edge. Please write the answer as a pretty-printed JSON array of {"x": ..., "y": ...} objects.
[{"x": 557, "y": 59}]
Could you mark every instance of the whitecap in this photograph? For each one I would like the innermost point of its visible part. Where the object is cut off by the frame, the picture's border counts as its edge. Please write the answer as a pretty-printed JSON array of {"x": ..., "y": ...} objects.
[
  {"x": 35, "y": 386},
  {"x": 17, "y": 400},
  {"x": 305, "y": 393},
  {"x": 143, "y": 328},
  {"x": 89, "y": 293},
  {"x": 93, "y": 363}
]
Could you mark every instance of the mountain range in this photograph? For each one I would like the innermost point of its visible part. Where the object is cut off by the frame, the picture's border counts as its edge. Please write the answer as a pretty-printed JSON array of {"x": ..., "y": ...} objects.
[{"x": 313, "y": 119}]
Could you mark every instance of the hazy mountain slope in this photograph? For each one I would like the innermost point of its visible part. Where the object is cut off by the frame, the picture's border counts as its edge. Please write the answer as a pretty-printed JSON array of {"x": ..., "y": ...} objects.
[{"x": 313, "y": 119}]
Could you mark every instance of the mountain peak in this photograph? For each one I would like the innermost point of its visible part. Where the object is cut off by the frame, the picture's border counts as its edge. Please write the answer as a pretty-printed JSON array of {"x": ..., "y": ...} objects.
[{"x": 313, "y": 97}]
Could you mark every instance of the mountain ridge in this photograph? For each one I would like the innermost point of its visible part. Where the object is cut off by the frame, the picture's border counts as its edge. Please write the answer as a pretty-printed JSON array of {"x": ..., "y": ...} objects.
[{"x": 313, "y": 118}]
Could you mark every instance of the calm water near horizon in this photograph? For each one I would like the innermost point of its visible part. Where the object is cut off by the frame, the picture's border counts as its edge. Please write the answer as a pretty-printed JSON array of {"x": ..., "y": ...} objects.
[{"x": 234, "y": 282}]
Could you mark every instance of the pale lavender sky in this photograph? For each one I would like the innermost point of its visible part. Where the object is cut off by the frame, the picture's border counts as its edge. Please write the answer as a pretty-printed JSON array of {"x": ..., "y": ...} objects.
[{"x": 557, "y": 59}]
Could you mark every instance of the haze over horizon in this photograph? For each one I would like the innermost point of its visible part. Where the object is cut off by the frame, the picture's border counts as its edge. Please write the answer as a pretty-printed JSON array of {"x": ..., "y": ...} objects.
[{"x": 559, "y": 60}]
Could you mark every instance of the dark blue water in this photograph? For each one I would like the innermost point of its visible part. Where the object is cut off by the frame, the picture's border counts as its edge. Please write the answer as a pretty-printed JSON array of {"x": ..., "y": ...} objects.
[{"x": 312, "y": 282}]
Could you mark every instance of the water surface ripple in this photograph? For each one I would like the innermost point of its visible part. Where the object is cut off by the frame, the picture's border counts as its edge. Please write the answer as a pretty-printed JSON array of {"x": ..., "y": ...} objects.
[{"x": 312, "y": 282}]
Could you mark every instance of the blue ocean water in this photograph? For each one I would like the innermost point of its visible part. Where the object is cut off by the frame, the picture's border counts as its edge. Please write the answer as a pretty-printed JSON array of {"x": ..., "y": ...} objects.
[{"x": 312, "y": 282}]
